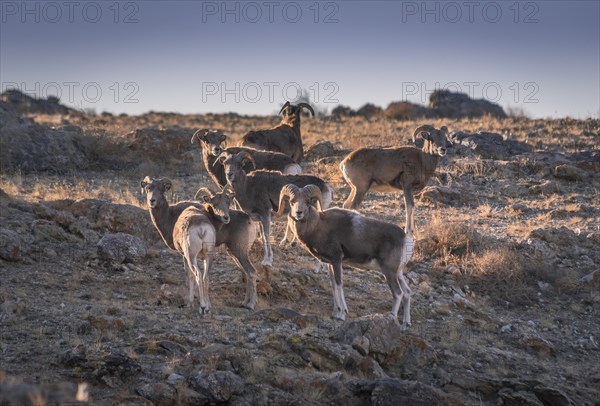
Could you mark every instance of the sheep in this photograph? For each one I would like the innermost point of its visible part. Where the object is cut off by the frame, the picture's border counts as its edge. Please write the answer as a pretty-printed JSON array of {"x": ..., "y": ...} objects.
[
  {"x": 194, "y": 236},
  {"x": 258, "y": 192},
  {"x": 396, "y": 168},
  {"x": 210, "y": 142},
  {"x": 337, "y": 236},
  {"x": 235, "y": 230},
  {"x": 285, "y": 137}
]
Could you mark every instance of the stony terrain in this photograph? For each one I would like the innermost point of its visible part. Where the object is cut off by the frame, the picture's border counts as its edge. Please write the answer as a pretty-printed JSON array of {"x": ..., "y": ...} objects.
[{"x": 505, "y": 278}]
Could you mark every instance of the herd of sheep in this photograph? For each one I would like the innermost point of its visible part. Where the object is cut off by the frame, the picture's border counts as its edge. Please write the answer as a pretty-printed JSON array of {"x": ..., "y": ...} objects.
[{"x": 262, "y": 177}]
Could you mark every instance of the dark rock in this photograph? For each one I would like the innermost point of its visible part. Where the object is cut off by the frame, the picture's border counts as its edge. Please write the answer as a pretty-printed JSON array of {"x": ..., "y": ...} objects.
[
  {"x": 13, "y": 247},
  {"x": 552, "y": 396},
  {"x": 387, "y": 341},
  {"x": 73, "y": 357},
  {"x": 218, "y": 386},
  {"x": 369, "y": 111},
  {"x": 318, "y": 150},
  {"x": 117, "y": 365},
  {"x": 342, "y": 111},
  {"x": 31, "y": 147},
  {"x": 404, "y": 110},
  {"x": 570, "y": 172},
  {"x": 371, "y": 369},
  {"x": 121, "y": 248},
  {"x": 29, "y": 105},
  {"x": 159, "y": 393},
  {"x": 486, "y": 145},
  {"x": 394, "y": 392},
  {"x": 445, "y": 103}
]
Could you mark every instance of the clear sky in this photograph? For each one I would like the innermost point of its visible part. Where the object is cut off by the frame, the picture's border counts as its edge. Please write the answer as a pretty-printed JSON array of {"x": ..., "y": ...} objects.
[{"x": 249, "y": 56}]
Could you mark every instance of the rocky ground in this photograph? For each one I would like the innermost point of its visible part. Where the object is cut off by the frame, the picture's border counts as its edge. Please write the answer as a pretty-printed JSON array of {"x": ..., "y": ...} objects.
[{"x": 505, "y": 277}]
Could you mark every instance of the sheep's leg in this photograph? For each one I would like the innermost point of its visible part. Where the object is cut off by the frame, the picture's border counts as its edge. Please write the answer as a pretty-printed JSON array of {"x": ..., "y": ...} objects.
[
  {"x": 266, "y": 225},
  {"x": 405, "y": 298},
  {"x": 357, "y": 195},
  {"x": 286, "y": 236},
  {"x": 194, "y": 276},
  {"x": 204, "y": 281},
  {"x": 190, "y": 282},
  {"x": 393, "y": 280},
  {"x": 187, "y": 274},
  {"x": 339, "y": 302},
  {"x": 241, "y": 259},
  {"x": 409, "y": 204}
]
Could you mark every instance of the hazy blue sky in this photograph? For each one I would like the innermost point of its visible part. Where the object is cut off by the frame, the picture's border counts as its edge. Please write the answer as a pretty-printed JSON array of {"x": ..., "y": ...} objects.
[{"x": 247, "y": 57}]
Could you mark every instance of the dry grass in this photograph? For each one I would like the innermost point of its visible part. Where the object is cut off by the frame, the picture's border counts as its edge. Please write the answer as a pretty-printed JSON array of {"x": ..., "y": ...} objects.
[
  {"x": 447, "y": 239},
  {"x": 49, "y": 188},
  {"x": 500, "y": 273}
]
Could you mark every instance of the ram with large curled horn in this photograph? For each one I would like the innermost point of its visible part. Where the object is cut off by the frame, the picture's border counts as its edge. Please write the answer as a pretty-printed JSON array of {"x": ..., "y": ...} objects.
[
  {"x": 337, "y": 235},
  {"x": 285, "y": 137},
  {"x": 258, "y": 192},
  {"x": 212, "y": 144},
  {"x": 395, "y": 168}
]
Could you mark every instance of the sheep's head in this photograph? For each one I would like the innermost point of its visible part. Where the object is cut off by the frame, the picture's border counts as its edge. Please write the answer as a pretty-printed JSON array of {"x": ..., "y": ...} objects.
[
  {"x": 300, "y": 200},
  {"x": 155, "y": 190},
  {"x": 218, "y": 203},
  {"x": 234, "y": 164},
  {"x": 436, "y": 141},
  {"x": 210, "y": 140},
  {"x": 291, "y": 112}
]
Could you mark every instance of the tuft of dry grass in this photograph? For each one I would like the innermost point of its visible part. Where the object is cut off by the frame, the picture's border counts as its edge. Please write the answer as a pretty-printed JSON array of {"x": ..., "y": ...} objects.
[
  {"x": 447, "y": 238},
  {"x": 500, "y": 273}
]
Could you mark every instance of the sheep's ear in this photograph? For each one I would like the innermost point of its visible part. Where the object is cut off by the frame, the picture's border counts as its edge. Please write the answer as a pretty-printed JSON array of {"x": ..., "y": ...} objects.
[
  {"x": 222, "y": 138},
  {"x": 313, "y": 201},
  {"x": 143, "y": 184},
  {"x": 426, "y": 135},
  {"x": 167, "y": 186},
  {"x": 206, "y": 198}
]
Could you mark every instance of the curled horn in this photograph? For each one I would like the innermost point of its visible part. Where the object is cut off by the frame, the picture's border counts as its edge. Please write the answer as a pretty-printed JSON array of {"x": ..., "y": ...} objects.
[
  {"x": 287, "y": 103},
  {"x": 288, "y": 190},
  {"x": 245, "y": 155},
  {"x": 307, "y": 107},
  {"x": 198, "y": 134},
  {"x": 167, "y": 183},
  {"x": 313, "y": 192},
  {"x": 228, "y": 190},
  {"x": 147, "y": 180},
  {"x": 222, "y": 157},
  {"x": 202, "y": 193},
  {"x": 423, "y": 128}
]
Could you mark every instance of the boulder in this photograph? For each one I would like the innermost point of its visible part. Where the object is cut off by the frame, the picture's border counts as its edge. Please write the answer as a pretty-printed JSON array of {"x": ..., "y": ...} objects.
[
  {"x": 486, "y": 145},
  {"x": 12, "y": 246},
  {"x": 217, "y": 386},
  {"x": 30, "y": 105},
  {"x": 369, "y": 111},
  {"x": 445, "y": 103},
  {"x": 318, "y": 150},
  {"x": 31, "y": 147},
  {"x": 570, "y": 172},
  {"x": 342, "y": 111},
  {"x": 121, "y": 248},
  {"x": 404, "y": 110}
]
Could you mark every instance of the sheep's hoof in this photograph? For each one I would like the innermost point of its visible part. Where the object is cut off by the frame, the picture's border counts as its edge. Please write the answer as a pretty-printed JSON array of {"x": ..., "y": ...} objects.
[
  {"x": 248, "y": 306},
  {"x": 267, "y": 262},
  {"x": 339, "y": 316},
  {"x": 204, "y": 311}
]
